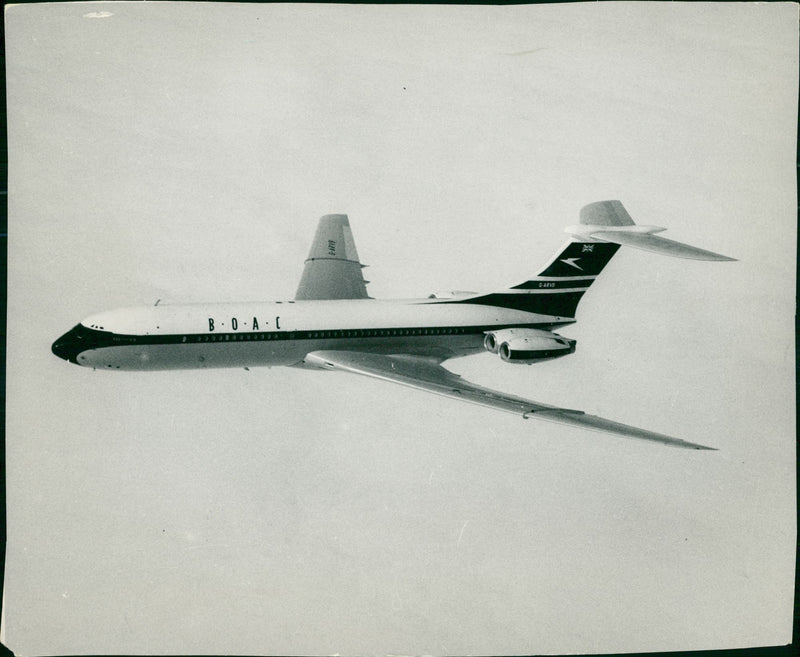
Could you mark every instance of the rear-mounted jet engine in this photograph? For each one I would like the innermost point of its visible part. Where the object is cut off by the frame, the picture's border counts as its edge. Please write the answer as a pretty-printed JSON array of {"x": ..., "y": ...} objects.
[{"x": 527, "y": 345}]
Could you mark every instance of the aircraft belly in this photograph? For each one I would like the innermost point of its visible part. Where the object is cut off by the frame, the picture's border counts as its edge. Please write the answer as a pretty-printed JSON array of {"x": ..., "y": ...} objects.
[
  {"x": 272, "y": 353},
  {"x": 187, "y": 356}
]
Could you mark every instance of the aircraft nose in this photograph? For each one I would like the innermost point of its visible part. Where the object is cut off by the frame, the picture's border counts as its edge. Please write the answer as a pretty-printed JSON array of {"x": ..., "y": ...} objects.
[{"x": 69, "y": 345}]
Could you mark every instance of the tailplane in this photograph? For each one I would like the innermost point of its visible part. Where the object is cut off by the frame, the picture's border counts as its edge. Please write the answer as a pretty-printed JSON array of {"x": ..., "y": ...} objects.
[
  {"x": 558, "y": 287},
  {"x": 608, "y": 221}
]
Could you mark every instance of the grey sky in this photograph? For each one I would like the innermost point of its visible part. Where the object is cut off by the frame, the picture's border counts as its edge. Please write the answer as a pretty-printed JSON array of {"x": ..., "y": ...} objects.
[{"x": 185, "y": 152}]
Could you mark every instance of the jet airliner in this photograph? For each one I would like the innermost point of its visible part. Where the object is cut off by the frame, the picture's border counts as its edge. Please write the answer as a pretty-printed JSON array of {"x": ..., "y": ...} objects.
[{"x": 332, "y": 323}]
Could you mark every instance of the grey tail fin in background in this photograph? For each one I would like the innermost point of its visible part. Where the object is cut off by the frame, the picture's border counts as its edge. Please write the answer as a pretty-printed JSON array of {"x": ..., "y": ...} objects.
[{"x": 332, "y": 269}]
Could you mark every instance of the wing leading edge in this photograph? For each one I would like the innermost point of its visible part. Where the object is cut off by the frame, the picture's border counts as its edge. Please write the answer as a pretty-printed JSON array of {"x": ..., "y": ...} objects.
[{"x": 429, "y": 375}]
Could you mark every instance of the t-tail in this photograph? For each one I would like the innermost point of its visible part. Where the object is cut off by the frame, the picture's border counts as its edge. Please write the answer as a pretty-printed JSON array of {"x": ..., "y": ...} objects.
[{"x": 557, "y": 289}]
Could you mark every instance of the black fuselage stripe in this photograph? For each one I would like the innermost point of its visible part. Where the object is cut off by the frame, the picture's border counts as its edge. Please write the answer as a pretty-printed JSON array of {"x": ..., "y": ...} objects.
[
  {"x": 95, "y": 339},
  {"x": 557, "y": 304}
]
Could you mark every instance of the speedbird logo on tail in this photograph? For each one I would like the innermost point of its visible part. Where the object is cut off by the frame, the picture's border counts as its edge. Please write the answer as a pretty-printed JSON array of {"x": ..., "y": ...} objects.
[{"x": 572, "y": 262}]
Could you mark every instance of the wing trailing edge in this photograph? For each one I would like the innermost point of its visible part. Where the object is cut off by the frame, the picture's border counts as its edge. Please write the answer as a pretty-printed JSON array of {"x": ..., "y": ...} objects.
[{"x": 428, "y": 374}]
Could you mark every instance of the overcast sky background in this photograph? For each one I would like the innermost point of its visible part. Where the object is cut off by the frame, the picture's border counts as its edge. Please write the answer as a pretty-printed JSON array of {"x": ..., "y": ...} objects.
[{"x": 185, "y": 152}]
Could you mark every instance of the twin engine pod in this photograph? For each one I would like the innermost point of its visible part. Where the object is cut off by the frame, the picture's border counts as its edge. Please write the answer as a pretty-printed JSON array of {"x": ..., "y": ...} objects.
[{"x": 521, "y": 345}]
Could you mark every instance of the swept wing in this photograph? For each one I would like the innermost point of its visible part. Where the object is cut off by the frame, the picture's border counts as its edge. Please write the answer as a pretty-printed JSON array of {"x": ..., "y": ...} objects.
[{"x": 429, "y": 375}]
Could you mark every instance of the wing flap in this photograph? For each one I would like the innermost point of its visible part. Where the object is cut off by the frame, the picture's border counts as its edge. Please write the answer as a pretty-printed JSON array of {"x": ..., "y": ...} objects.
[{"x": 429, "y": 375}]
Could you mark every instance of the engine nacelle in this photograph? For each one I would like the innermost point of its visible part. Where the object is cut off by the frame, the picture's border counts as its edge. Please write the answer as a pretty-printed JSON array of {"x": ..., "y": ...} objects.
[{"x": 523, "y": 345}]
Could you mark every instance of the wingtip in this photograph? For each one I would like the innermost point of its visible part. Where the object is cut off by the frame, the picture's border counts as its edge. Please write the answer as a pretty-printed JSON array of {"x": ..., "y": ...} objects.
[{"x": 715, "y": 257}]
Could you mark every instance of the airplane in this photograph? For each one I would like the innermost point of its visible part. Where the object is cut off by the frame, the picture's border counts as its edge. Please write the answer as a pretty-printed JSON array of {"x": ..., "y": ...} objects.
[{"x": 332, "y": 323}]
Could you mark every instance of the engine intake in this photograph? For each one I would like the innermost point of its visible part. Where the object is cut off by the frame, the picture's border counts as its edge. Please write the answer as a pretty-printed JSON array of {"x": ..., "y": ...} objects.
[{"x": 527, "y": 345}]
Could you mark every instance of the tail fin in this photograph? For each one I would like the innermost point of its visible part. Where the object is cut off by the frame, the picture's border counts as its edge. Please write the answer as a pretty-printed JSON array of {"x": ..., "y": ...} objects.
[
  {"x": 332, "y": 270},
  {"x": 558, "y": 287}
]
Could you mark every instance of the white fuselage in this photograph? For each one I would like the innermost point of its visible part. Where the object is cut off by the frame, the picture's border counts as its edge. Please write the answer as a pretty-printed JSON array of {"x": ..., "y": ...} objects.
[{"x": 283, "y": 333}]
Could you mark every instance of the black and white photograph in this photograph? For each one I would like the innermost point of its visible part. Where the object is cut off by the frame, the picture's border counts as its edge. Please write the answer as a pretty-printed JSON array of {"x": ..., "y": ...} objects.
[{"x": 408, "y": 329}]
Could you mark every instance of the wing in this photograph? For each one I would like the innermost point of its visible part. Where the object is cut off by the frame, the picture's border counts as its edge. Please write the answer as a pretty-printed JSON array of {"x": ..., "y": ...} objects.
[
  {"x": 332, "y": 269},
  {"x": 428, "y": 374}
]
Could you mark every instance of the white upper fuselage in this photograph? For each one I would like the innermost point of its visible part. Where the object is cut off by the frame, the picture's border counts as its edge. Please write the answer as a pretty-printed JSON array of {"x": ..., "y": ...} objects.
[{"x": 283, "y": 333}]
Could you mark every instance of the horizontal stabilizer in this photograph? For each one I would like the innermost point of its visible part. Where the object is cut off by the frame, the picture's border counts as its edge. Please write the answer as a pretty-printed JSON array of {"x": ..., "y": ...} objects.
[
  {"x": 658, "y": 244},
  {"x": 608, "y": 221}
]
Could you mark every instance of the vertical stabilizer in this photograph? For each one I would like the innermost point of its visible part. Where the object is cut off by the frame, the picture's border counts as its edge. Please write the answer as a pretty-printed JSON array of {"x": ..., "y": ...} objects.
[
  {"x": 559, "y": 286},
  {"x": 332, "y": 269}
]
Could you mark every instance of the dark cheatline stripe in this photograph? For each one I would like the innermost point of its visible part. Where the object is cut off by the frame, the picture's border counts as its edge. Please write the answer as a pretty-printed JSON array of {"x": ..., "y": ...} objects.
[{"x": 561, "y": 304}]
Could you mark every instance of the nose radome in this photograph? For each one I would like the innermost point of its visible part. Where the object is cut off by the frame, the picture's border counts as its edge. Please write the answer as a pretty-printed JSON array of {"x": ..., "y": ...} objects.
[
  {"x": 58, "y": 348},
  {"x": 68, "y": 346}
]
